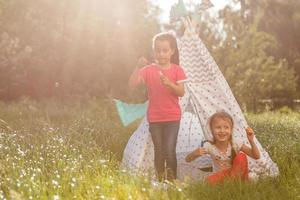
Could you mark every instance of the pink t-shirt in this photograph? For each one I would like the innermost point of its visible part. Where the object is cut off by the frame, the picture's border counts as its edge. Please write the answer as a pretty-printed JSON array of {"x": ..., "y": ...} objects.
[{"x": 163, "y": 103}]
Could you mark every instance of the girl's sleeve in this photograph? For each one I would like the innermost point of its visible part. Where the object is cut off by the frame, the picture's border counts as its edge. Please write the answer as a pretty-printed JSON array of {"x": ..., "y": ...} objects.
[{"x": 181, "y": 77}]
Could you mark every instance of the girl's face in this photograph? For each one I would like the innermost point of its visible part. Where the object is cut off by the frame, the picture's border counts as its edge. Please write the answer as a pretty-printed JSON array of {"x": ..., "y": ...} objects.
[
  {"x": 163, "y": 52},
  {"x": 221, "y": 129}
]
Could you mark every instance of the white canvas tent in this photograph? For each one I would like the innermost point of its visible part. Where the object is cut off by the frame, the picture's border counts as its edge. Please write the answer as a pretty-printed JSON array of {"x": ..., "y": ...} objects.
[{"x": 206, "y": 92}]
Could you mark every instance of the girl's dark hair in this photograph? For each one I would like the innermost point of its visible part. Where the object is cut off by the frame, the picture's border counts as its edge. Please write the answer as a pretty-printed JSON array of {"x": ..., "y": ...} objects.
[
  {"x": 173, "y": 44},
  {"x": 225, "y": 116}
]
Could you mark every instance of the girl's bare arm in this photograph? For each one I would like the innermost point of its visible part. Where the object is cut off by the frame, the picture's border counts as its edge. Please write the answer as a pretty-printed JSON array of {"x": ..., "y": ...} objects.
[
  {"x": 178, "y": 88},
  {"x": 135, "y": 79},
  {"x": 195, "y": 154},
  {"x": 253, "y": 151}
]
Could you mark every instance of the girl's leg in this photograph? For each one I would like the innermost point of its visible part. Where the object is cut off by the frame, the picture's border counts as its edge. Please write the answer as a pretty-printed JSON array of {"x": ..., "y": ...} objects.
[
  {"x": 169, "y": 142},
  {"x": 218, "y": 177},
  {"x": 239, "y": 170},
  {"x": 240, "y": 167},
  {"x": 156, "y": 130}
]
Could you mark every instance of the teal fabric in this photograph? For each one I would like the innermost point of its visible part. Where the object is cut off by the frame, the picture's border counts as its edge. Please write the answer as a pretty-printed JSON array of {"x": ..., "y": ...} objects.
[
  {"x": 178, "y": 10},
  {"x": 181, "y": 9},
  {"x": 130, "y": 112}
]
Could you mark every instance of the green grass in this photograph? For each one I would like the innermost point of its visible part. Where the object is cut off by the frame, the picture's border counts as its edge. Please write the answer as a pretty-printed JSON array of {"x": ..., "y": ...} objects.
[{"x": 73, "y": 151}]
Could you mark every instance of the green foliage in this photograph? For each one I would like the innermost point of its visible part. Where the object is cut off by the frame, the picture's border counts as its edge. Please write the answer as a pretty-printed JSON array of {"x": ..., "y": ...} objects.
[
  {"x": 253, "y": 75},
  {"x": 246, "y": 55},
  {"x": 73, "y": 151},
  {"x": 281, "y": 20},
  {"x": 78, "y": 47},
  {"x": 72, "y": 46},
  {"x": 13, "y": 58},
  {"x": 285, "y": 110}
]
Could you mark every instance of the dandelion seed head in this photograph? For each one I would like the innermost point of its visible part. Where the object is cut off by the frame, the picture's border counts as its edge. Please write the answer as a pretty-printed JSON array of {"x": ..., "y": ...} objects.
[
  {"x": 54, "y": 182},
  {"x": 102, "y": 161}
]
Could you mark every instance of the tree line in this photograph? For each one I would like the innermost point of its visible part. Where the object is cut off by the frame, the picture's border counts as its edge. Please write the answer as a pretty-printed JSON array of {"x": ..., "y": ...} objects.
[
  {"x": 77, "y": 47},
  {"x": 258, "y": 49}
]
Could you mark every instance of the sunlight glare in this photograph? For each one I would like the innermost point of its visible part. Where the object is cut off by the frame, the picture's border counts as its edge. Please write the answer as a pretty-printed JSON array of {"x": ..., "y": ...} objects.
[{"x": 166, "y": 5}]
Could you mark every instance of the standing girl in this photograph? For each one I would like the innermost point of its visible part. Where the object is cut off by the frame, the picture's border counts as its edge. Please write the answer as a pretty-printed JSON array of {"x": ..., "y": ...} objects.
[
  {"x": 229, "y": 157},
  {"x": 164, "y": 81}
]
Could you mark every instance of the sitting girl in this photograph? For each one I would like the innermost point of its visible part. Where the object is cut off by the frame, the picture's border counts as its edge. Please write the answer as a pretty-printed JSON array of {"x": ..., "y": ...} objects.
[{"x": 229, "y": 157}]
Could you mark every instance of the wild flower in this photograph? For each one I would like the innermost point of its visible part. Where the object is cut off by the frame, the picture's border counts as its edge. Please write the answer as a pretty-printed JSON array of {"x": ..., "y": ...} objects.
[{"x": 54, "y": 182}]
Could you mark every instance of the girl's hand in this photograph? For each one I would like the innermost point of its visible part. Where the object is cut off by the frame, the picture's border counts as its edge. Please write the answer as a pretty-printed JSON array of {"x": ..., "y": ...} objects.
[
  {"x": 195, "y": 154},
  {"x": 142, "y": 62},
  {"x": 253, "y": 151},
  {"x": 177, "y": 89},
  {"x": 165, "y": 80},
  {"x": 250, "y": 133},
  {"x": 135, "y": 79}
]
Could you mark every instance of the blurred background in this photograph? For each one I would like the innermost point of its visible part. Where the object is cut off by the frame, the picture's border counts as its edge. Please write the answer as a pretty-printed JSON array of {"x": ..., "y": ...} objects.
[{"x": 82, "y": 49}]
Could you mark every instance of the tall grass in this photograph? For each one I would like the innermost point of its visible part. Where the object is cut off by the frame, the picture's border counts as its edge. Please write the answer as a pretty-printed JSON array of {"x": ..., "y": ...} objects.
[{"x": 73, "y": 150}]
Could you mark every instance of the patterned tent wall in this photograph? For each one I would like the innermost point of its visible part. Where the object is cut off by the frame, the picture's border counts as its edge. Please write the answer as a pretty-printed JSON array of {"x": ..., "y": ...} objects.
[
  {"x": 206, "y": 92},
  {"x": 209, "y": 92}
]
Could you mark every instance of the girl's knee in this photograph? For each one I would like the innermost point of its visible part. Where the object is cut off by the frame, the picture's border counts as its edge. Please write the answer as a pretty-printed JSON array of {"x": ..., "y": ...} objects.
[
  {"x": 218, "y": 177},
  {"x": 240, "y": 158}
]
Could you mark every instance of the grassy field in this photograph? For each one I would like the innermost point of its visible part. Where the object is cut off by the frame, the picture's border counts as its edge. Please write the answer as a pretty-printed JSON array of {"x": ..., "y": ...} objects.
[{"x": 72, "y": 151}]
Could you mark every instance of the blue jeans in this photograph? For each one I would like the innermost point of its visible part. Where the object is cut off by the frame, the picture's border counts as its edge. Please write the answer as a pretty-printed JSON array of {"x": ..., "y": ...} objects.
[{"x": 164, "y": 137}]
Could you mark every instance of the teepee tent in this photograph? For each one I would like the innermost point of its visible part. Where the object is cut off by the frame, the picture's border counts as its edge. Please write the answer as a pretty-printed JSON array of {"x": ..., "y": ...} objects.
[{"x": 206, "y": 93}]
